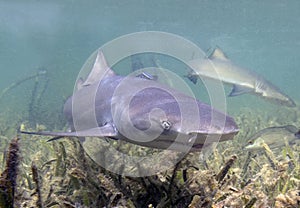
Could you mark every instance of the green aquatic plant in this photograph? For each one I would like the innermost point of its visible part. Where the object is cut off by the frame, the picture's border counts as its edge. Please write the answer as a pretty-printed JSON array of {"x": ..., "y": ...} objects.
[
  {"x": 221, "y": 175},
  {"x": 61, "y": 174},
  {"x": 36, "y": 179}
]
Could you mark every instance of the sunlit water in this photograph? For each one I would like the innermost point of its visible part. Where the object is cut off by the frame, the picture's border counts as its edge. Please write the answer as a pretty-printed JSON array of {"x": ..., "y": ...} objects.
[{"x": 60, "y": 35}]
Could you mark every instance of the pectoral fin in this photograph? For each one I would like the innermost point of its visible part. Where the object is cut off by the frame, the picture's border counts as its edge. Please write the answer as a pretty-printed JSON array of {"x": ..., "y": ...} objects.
[
  {"x": 239, "y": 90},
  {"x": 103, "y": 131}
]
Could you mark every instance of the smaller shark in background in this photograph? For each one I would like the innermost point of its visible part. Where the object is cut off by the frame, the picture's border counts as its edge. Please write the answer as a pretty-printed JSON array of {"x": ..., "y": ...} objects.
[
  {"x": 274, "y": 137},
  {"x": 217, "y": 66}
]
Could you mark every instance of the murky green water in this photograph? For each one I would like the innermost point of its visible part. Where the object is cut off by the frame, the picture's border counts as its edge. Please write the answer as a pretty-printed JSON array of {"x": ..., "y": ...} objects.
[{"x": 59, "y": 36}]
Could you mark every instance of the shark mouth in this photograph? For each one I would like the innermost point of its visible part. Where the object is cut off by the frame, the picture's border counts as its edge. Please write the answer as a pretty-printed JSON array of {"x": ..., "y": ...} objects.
[
  {"x": 191, "y": 142},
  {"x": 187, "y": 146}
]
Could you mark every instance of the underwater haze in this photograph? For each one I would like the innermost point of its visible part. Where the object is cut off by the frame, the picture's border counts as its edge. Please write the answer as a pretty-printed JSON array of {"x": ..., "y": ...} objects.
[
  {"x": 43, "y": 47},
  {"x": 58, "y": 36}
]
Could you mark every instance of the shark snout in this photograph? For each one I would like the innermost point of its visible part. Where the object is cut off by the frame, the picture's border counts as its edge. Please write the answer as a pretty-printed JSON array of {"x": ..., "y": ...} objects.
[
  {"x": 220, "y": 125},
  {"x": 226, "y": 126}
]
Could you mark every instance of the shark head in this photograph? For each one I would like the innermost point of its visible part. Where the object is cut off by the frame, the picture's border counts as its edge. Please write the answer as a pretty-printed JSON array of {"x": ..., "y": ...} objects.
[
  {"x": 273, "y": 93},
  {"x": 160, "y": 117},
  {"x": 255, "y": 144}
]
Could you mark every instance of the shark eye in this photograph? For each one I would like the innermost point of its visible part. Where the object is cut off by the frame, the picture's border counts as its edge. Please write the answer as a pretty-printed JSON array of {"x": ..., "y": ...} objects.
[
  {"x": 250, "y": 142},
  {"x": 166, "y": 125}
]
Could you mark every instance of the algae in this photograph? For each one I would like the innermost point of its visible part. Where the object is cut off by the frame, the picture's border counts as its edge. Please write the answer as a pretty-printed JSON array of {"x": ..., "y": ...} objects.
[{"x": 61, "y": 174}]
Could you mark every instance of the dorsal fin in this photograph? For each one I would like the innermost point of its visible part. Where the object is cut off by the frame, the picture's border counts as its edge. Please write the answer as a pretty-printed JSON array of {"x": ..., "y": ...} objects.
[
  {"x": 218, "y": 54},
  {"x": 79, "y": 83},
  {"x": 100, "y": 69}
]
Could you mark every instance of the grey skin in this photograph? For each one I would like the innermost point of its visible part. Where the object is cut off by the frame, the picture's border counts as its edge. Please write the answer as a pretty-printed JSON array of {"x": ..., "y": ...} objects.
[
  {"x": 274, "y": 137},
  {"x": 217, "y": 66},
  {"x": 141, "y": 111}
]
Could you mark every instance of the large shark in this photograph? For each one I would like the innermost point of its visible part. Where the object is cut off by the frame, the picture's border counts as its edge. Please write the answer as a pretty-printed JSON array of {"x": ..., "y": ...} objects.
[
  {"x": 217, "y": 66},
  {"x": 141, "y": 111}
]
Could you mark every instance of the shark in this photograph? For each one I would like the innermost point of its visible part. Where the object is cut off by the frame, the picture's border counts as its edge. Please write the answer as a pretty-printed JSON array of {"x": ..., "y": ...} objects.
[
  {"x": 274, "y": 137},
  {"x": 217, "y": 66},
  {"x": 142, "y": 111}
]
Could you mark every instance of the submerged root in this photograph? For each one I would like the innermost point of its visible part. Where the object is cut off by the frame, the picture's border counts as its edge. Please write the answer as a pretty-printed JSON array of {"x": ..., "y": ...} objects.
[{"x": 8, "y": 179}]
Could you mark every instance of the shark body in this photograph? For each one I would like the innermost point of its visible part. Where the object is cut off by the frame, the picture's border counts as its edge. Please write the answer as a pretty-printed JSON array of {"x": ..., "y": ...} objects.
[
  {"x": 217, "y": 66},
  {"x": 141, "y": 111},
  {"x": 274, "y": 137}
]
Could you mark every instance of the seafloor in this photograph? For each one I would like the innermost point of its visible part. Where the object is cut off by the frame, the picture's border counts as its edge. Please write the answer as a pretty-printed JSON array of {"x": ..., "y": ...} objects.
[{"x": 37, "y": 173}]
